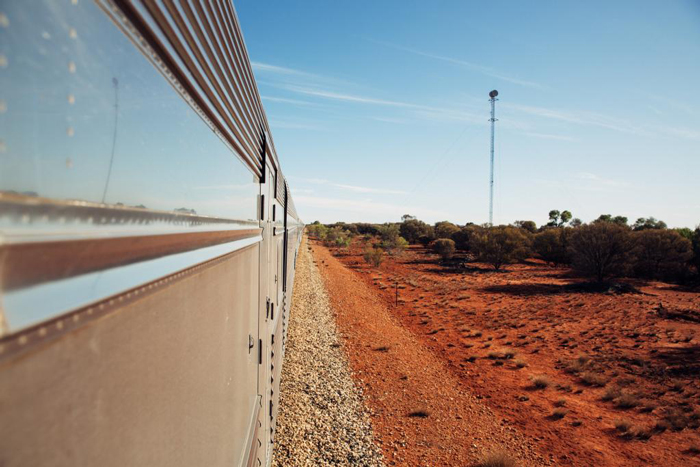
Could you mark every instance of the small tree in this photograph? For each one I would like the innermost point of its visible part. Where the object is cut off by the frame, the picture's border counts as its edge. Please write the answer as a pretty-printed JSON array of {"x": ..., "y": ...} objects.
[
  {"x": 391, "y": 241},
  {"x": 565, "y": 217},
  {"x": 558, "y": 219},
  {"x": 661, "y": 254},
  {"x": 552, "y": 245},
  {"x": 599, "y": 249},
  {"x": 500, "y": 245},
  {"x": 445, "y": 229},
  {"x": 374, "y": 256},
  {"x": 413, "y": 229},
  {"x": 648, "y": 223},
  {"x": 530, "y": 226},
  {"x": 317, "y": 230},
  {"x": 609, "y": 219},
  {"x": 462, "y": 238},
  {"x": 444, "y": 247}
]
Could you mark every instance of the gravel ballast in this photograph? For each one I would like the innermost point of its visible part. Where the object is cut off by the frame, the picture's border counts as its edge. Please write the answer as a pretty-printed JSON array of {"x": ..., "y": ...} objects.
[{"x": 321, "y": 418}]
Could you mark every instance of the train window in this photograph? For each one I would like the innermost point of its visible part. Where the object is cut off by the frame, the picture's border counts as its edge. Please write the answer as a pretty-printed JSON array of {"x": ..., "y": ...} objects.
[{"x": 95, "y": 143}]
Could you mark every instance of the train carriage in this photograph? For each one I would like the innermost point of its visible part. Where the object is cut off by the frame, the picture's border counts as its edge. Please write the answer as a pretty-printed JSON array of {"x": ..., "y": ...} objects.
[{"x": 148, "y": 238}]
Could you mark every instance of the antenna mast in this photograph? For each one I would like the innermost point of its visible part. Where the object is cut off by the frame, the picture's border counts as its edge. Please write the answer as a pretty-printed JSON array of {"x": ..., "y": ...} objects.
[{"x": 493, "y": 100}]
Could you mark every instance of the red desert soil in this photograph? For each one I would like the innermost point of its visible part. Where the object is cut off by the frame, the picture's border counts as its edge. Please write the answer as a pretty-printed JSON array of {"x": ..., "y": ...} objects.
[{"x": 463, "y": 345}]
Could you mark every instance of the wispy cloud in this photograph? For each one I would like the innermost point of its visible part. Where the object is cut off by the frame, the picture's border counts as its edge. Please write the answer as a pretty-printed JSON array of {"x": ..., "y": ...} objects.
[
  {"x": 353, "y": 188},
  {"x": 280, "y": 70},
  {"x": 586, "y": 182},
  {"x": 594, "y": 179},
  {"x": 363, "y": 209},
  {"x": 680, "y": 132},
  {"x": 399, "y": 121},
  {"x": 484, "y": 70},
  {"x": 581, "y": 118},
  {"x": 294, "y": 125},
  {"x": 424, "y": 111},
  {"x": 285, "y": 100},
  {"x": 549, "y": 136},
  {"x": 347, "y": 97}
]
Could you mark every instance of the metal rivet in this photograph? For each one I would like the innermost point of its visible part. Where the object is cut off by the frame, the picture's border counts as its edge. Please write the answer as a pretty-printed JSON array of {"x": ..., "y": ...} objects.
[
  {"x": 70, "y": 131},
  {"x": 72, "y": 33},
  {"x": 71, "y": 99},
  {"x": 4, "y": 21},
  {"x": 3, "y": 61},
  {"x": 71, "y": 67}
]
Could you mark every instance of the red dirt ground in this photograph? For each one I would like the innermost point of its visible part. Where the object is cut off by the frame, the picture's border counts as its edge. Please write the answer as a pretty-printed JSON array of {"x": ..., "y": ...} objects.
[{"x": 496, "y": 331}]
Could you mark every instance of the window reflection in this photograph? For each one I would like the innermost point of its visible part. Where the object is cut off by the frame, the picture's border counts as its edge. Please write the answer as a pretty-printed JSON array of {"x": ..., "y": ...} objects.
[{"x": 85, "y": 116}]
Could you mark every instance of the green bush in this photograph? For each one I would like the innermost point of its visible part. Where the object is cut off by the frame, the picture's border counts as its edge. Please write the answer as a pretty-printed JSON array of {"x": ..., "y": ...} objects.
[
  {"x": 412, "y": 230},
  {"x": 600, "y": 249},
  {"x": 530, "y": 226},
  {"x": 661, "y": 254},
  {"x": 374, "y": 256},
  {"x": 552, "y": 245},
  {"x": 463, "y": 237},
  {"x": 445, "y": 229},
  {"x": 648, "y": 223},
  {"x": 444, "y": 247},
  {"x": 501, "y": 245},
  {"x": 317, "y": 230}
]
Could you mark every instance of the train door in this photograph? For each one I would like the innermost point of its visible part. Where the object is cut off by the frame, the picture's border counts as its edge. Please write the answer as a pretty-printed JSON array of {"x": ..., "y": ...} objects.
[{"x": 267, "y": 309}]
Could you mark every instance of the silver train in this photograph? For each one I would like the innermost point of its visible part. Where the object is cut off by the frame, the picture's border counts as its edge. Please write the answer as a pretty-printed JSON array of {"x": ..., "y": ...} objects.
[{"x": 148, "y": 238}]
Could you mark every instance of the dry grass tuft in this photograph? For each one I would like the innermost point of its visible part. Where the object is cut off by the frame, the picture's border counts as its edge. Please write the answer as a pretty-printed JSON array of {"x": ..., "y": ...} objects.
[
  {"x": 623, "y": 425},
  {"x": 497, "y": 459},
  {"x": 519, "y": 363},
  {"x": 626, "y": 401},
  {"x": 422, "y": 413},
  {"x": 594, "y": 379},
  {"x": 559, "y": 413},
  {"x": 611, "y": 393},
  {"x": 540, "y": 381}
]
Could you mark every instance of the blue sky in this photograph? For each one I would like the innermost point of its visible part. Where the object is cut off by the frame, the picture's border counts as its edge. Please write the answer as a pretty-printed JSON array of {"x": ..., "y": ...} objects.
[{"x": 380, "y": 108}]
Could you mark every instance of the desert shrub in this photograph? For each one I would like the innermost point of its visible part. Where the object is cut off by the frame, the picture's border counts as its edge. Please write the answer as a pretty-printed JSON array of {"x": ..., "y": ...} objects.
[
  {"x": 462, "y": 238},
  {"x": 661, "y": 254},
  {"x": 317, "y": 230},
  {"x": 609, "y": 219},
  {"x": 374, "y": 256},
  {"x": 412, "y": 230},
  {"x": 500, "y": 245},
  {"x": 530, "y": 226},
  {"x": 392, "y": 242},
  {"x": 367, "y": 229},
  {"x": 600, "y": 249},
  {"x": 425, "y": 239},
  {"x": 552, "y": 245},
  {"x": 445, "y": 229},
  {"x": 444, "y": 247},
  {"x": 648, "y": 223},
  {"x": 696, "y": 248}
]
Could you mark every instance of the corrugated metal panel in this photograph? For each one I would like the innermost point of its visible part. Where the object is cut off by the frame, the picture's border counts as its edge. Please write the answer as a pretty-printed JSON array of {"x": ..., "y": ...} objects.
[{"x": 199, "y": 47}]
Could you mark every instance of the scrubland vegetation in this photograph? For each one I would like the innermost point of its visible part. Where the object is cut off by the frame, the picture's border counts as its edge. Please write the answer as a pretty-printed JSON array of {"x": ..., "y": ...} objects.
[
  {"x": 604, "y": 249},
  {"x": 568, "y": 330}
]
